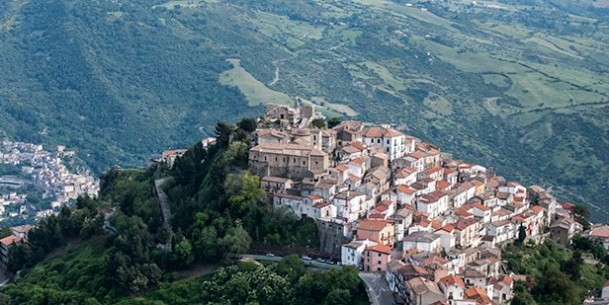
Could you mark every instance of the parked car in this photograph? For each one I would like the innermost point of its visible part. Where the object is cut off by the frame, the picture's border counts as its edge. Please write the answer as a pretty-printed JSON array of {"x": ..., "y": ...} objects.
[
  {"x": 270, "y": 255},
  {"x": 306, "y": 258}
]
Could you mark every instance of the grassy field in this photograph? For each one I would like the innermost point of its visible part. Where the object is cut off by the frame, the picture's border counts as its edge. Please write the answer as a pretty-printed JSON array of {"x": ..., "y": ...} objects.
[{"x": 254, "y": 90}]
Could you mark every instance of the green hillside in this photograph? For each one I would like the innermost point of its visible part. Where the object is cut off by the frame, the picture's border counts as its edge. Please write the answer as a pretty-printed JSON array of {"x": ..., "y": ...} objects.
[{"x": 522, "y": 86}]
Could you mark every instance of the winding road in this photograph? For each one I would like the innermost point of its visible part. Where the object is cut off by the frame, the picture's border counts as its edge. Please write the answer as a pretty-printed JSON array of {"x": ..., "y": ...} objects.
[{"x": 165, "y": 210}]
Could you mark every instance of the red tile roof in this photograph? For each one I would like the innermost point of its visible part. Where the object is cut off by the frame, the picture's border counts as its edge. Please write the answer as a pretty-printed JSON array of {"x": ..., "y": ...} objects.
[
  {"x": 372, "y": 225},
  {"x": 380, "y": 249},
  {"x": 9, "y": 240},
  {"x": 451, "y": 280},
  {"x": 405, "y": 189}
]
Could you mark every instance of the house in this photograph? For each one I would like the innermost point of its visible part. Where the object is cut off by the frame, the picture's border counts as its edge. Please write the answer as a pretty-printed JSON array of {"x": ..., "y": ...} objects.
[
  {"x": 351, "y": 253},
  {"x": 293, "y": 161},
  {"x": 435, "y": 173},
  {"x": 402, "y": 219},
  {"x": 270, "y": 136},
  {"x": 359, "y": 166},
  {"x": 453, "y": 288},
  {"x": 502, "y": 230},
  {"x": 348, "y": 132},
  {"x": 170, "y": 156},
  {"x": 352, "y": 151},
  {"x": 379, "y": 176},
  {"x": 349, "y": 205},
  {"x": 563, "y": 230},
  {"x": 392, "y": 141},
  {"x": 405, "y": 176},
  {"x": 5, "y": 244},
  {"x": 424, "y": 241},
  {"x": 275, "y": 184},
  {"x": 434, "y": 203},
  {"x": 405, "y": 194},
  {"x": 22, "y": 231},
  {"x": 421, "y": 291},
  {"x": 380, "y": 231},
  {"x": 290, "y": 202},
  {"x": 474, "y": 278},
  {"x": 328, "y": 140},
  {"x": 447, "y": 237},
  {"x": 376, "y": 258},
  {"x": 466, "y": 232},
  {"x": 479, "y": 295},
  {"x": 600, "y": 233},
  {"x": 306, "y": 136},
  {"x": 503, "y": 286}
]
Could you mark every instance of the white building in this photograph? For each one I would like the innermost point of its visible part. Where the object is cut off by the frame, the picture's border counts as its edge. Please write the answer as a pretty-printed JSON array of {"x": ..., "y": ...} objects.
[{"x": 392, "y": 141}]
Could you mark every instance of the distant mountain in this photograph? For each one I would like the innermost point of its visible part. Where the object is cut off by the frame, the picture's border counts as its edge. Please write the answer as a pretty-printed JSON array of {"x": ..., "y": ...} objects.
[{"x": 522, "y": 86}]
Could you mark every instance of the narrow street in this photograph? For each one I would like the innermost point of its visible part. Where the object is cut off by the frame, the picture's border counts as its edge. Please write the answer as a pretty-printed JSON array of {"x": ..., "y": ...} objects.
[{"x": 377, "y": 288}]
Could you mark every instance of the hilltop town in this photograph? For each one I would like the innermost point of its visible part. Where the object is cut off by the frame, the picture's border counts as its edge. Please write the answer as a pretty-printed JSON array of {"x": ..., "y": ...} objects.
[
  {"x": 48, "y": 174},
  {"x": 390, "y": 203}
]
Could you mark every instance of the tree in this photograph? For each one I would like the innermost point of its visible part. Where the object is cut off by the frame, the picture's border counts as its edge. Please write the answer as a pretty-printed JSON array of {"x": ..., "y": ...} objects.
[
  {"x": 334, "y": 121},
  {"x": 5, "y": 231},
  {"x": 581, "y": 216},
  {"x": 223, "y": 133},
  {"x": 247, "y": 124},
  {"x": 291, "y": 267},
  {"x": 522, "y": 235},
  {"x": 555, "y": 287},
  {"x": 338, "y": 297},
  {"x": 318, "y": 123},
  {"x": 183, "y": 255},
  {"x": 236, "y": 241}
]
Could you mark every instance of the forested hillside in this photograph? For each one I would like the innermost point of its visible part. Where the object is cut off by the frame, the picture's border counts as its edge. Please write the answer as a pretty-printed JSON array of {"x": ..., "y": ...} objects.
[
  {"x": 112, "y": 250},
  {"x": 521, "y": 86}
]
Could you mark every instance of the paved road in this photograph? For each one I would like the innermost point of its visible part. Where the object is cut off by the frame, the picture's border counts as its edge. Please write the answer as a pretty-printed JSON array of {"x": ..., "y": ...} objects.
[
  {"x": 308, "y": 263},
  {"x": 165, "y": 210},
  {"x": 377, "y": 288}
]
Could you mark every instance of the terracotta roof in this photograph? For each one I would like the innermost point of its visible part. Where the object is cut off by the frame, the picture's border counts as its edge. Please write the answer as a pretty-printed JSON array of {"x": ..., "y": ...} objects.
[
  {"x": 432, "y": 170},
  {"x": 380, "y": 132},
  {"x": 464, "y": 223},
  {"x": 380, "y": 248},
  {"x": 314, "y": 197},
  {"x": 436, "y": 224},
  {"x": 405, "y": 189},
  {"x": 372, "y": 225},
  {"x": 9, "y": 240},
  {"x": 359, "y": 161},
  {"x": 480, "y": 207},
  {"x": 442, "y": 185},
  {"x": 358, "y": 145},
  {"x": 478, "y": 294},
  {"x": 451, "y": 280},
  {"x": 602, "y": 231},
  {"x": 342, "y": 168},
  {"x": 320, "y": 205},
  {"x": 462, "y": 212},
  {"x": 448, "y": 228},
  {"x": 537, "y": 209}
]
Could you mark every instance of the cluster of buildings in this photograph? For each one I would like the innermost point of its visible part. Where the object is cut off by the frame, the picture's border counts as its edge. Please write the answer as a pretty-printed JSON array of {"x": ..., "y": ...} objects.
[
  {"x": 47, "y": 172},
  {"x": 388, "y": 202},
  {"x": 19, "y": 235}
]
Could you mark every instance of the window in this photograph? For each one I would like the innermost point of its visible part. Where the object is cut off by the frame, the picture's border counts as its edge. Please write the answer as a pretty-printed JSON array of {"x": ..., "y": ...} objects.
[
  {"x": 264, "y": 158},
  {"x": 378, "y": 141},
  {"x": 380, "y": 256},
  {"x": 275, "y": 158},
  {"x": 388, "y": 141},
  {"x": 304, "y": 162}
]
